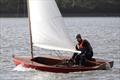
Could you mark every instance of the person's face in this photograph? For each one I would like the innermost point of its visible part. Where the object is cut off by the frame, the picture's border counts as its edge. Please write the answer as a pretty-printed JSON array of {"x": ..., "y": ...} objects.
[{"x": 79, "y": 39}]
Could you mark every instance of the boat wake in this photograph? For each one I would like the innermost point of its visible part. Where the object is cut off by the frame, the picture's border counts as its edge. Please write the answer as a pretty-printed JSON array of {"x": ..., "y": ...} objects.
[{"x": 21, "y": 68}]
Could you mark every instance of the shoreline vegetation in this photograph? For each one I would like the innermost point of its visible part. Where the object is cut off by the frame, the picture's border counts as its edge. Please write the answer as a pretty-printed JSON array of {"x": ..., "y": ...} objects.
[{"x": 68, "y": 8}]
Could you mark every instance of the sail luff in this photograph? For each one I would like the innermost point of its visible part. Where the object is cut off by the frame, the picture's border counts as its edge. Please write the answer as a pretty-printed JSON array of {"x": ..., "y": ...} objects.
[{"x": 30, "y": 30}]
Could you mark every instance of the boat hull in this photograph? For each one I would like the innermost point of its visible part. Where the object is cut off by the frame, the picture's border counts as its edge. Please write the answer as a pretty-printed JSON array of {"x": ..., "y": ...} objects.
[{"x": 49, "y": 64}]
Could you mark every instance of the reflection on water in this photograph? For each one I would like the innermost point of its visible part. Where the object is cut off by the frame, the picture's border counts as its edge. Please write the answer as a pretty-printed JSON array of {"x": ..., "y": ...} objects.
[{"x": 102, "y": 32}]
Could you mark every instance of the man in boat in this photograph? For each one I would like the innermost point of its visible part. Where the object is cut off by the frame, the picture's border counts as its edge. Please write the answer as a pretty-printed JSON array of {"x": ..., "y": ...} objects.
[{"x": 86, "y": 51}]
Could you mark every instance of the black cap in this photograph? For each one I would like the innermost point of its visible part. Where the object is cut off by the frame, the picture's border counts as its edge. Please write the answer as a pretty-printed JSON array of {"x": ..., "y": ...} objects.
[{"x": 78, "y": 36}]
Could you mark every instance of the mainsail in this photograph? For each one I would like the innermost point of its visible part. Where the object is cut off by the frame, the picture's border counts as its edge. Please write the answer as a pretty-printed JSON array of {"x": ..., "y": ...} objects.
[{"x": 47, "y": 26}]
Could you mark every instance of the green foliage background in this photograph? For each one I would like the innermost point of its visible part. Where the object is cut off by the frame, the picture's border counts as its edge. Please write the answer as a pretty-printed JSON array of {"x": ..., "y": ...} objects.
[{"x": 19, "y": 7}]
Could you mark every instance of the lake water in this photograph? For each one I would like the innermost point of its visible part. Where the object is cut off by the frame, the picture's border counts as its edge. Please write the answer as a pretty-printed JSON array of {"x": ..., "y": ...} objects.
[{"x": 102, "y": 32}]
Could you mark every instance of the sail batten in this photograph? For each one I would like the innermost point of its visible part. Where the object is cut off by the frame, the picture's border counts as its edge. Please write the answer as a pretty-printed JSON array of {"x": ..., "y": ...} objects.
[{"x": 47, "y": 26}]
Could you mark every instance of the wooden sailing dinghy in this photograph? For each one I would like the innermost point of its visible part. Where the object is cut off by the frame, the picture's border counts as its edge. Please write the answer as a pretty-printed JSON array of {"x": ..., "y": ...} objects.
[
  {"x": 46, "y": 31},
  {"x": 53, "y": 64}
]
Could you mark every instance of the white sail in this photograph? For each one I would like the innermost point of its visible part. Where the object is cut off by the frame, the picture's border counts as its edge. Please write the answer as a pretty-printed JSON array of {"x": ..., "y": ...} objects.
[{"x": 47, "y": 26}]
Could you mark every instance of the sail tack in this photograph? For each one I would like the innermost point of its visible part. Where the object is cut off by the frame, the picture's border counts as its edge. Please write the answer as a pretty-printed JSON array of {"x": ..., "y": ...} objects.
[{"x": 47, "y": 26}]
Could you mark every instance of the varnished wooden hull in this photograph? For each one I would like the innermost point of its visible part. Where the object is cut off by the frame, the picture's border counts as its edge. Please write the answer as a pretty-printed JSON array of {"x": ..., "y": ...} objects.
[{"x": 49, "y": 64}]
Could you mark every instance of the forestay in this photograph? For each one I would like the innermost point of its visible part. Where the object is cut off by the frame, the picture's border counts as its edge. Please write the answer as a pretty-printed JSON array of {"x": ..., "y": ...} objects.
[{"x": 47, "y": 26}]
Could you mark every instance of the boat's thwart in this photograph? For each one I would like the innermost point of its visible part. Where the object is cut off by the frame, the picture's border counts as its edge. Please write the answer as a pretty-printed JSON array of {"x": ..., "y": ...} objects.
[{"x": 52, "y": 64}]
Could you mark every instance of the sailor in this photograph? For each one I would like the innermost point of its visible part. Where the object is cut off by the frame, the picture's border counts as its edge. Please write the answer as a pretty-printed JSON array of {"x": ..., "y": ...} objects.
[{"x": 86, "y": 51}]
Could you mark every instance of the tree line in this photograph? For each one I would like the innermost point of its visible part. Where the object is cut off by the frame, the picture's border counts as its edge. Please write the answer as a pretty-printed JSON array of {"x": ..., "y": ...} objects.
[{"x": 67, "y": 7}]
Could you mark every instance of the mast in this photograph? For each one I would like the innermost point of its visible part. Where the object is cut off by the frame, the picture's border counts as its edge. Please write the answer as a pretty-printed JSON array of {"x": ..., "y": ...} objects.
[{"x": 30, "y": 31}]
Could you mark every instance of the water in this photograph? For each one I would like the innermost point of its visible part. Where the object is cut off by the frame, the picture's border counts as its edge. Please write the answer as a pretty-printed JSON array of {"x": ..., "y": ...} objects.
[{"x": 102, "y": 32}]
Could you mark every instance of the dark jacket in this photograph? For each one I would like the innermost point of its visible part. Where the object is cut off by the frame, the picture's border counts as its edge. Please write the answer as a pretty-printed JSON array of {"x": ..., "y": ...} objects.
[{"x": 86, "y": 50}]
